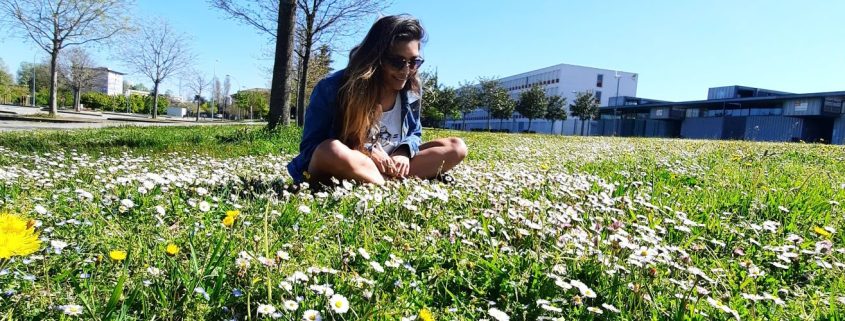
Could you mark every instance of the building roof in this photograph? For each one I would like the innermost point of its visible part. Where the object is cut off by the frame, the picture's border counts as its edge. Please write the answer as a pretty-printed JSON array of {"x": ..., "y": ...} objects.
[
  {"x": 558, "y": 66},
  {"x": 718, "y": 102},
  {"x": 109, "y": 70}
]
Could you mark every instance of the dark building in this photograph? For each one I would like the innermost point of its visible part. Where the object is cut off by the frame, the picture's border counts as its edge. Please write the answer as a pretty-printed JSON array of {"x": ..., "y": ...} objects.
[{"x": 732, "y": 112}]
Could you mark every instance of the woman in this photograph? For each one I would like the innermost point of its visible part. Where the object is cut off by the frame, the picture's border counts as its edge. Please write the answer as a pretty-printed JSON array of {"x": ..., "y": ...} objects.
[{"x": 363, "y": 122}]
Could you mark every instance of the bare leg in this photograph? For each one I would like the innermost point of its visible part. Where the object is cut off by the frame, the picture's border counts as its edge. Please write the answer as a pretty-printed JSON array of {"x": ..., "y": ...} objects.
[
  {"x": 437, "y": 156},
  {"x": 333, "y": 159}
]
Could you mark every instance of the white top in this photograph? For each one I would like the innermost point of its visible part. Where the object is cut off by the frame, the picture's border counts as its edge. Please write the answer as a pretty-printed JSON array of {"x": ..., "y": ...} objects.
[{"x": 390, "y": 127}]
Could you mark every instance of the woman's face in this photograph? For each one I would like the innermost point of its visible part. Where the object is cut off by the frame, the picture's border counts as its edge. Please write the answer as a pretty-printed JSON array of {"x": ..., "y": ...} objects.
[{"x": 394, "y": 76}]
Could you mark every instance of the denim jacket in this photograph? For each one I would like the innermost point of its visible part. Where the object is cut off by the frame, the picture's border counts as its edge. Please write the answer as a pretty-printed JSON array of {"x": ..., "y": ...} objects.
[{"x": 321, "y": 123}]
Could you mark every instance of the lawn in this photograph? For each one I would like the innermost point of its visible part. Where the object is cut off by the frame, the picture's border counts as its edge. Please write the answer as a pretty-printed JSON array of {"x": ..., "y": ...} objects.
[{"x": 200, "y": 223}]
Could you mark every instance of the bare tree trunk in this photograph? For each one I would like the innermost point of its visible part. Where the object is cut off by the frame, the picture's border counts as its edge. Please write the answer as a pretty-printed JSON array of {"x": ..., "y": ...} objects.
[
  {"x": 280, "y": 88},
  {"x": 529, "y": 124},
  {"x": 488, "y": 120},
  {"x": 76, "y": 99},
  {"x": 198, "y": 109},
  {"x": 54, "y": 82},
  {"x": 464, "y": 125},
  {"x": 303, "y": 79},
  {"x": 155, "y": 100}
]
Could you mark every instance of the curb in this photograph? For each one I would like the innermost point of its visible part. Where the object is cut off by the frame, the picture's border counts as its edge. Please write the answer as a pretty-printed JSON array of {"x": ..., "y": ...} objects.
[{"x": 45, "y": 120}]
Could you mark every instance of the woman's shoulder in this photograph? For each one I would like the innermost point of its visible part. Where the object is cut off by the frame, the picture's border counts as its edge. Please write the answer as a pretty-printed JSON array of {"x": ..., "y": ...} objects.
[{"x": 332, "y": 81}]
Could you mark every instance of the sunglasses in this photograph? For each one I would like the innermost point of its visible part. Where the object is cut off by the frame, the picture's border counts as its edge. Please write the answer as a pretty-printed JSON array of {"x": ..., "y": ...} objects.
[{"x": 400, "y": 63}]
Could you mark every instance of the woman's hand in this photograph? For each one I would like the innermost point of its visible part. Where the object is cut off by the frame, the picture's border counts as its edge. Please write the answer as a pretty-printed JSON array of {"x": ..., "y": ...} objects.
[
  {"x": 402, "y": 164},
  {"x": 383, "y": 162}
]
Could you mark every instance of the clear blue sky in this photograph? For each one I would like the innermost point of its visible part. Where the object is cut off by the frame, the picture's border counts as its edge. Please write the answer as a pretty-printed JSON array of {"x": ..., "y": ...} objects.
[{"x": 679, "y": 48}]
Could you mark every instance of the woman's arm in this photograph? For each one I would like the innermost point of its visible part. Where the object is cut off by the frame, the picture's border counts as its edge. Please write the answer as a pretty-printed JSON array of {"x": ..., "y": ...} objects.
[
  {"x": 319, "y": 117},
  {"x": 413, "y": 138}
]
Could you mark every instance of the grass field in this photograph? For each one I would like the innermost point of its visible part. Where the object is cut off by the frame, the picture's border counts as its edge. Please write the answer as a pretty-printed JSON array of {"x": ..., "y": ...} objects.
[{"x": 198, "y": 224}]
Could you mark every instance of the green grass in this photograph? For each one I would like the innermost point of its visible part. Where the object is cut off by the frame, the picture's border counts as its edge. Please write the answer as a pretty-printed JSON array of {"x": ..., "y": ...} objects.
[
  {"x": 529, "y": 217},
  {"x": 221, "y": 141}
]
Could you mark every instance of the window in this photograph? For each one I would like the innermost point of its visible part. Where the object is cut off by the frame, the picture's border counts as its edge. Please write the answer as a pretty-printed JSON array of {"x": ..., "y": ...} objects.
[
  {"x": 598, "y": 96},
  {"x": 692, "y": 113},
  {"x": 599, "y": 80}
]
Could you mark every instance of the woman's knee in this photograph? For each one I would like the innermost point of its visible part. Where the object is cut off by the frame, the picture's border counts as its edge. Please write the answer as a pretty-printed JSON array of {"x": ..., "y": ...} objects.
[
  {"x": 332, "y": 153},
  {"x": 458, "y": 148}
]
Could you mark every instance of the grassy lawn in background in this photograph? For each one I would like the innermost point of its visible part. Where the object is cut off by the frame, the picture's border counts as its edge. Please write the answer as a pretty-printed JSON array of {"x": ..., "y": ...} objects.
[{"x": 533, "y": 227}]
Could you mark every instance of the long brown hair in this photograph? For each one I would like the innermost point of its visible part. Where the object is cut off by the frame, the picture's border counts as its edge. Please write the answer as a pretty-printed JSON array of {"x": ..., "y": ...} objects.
[{"x": 362, "y": 87}]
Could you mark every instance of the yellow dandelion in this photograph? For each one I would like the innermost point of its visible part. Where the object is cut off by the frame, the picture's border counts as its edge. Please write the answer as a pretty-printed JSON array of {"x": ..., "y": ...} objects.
[
  {"x": 10, "y": 223},
  {"x": 117, "y": 255},
  {"x": 821, "y": 231},
  {"x": 228, "y": 221},
  {"x": 425, "y": 315},
  {"x": 17, "y": 236},
  {"x": 234, "y": 214},
  {"x": 171, "y": 249}
]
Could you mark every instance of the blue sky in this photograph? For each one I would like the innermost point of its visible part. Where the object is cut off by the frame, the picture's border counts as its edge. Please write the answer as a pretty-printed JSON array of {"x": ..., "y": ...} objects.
[{"x": 679, "y": 48}]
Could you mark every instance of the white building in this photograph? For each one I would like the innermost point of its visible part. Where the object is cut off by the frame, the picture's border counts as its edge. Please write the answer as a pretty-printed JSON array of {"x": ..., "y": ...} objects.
[
  {"x": 562, "y": 80},
  {"x": 107, "y": 81}
]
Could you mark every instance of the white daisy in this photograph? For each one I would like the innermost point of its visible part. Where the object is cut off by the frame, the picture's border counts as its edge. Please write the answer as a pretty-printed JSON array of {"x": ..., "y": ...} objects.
[
  {"x": 339, "y": 303},
  {"x": 499, "y": 315},
  {"x": 364, "y": 253},
  {"x": 377, "y": 266},
  {"x": 71, "y": 309},
  {"x": 58, "y": 246},
  {"x": 266, "y": 309},
  {"x": 312, "y": 315},
  {"x": 291, "y": 305}
]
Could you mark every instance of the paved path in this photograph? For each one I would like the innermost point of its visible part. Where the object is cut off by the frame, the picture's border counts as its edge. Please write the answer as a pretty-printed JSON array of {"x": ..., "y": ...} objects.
[{"x": 94, "y": 120}]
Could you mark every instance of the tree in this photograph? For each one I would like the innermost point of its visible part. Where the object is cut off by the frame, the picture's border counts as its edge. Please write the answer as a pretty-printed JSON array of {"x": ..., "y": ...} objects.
[
  {"x": 138, "y": 86},
  {"x": 42, "y": 75},
  {"x": 198, "y": 83},
  {"x": 77, "y": 69},
  {"x": 5, "y": 75},
  {"x": 318, "y": 69},
  {"x": 320, "y": 22},
  {"x": 158, "y": 52},
  {"x": 585, "y": 107},
  {"x": 439, "y": 104},
  {"x": 9, "y": 92},
  {"x": 252, "y": 101},
  {"x": 503, "y": 110},
  {"x": 556, "y": 110},
  {"x": 280, "y": 87},
  {"x": 431, "y": 92},
  {"x": 469, "y": 97},
  {"x": 494, "y": 97},
  {"x": 57, "y": 24},
  {"x": 532, "y": 103}
]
